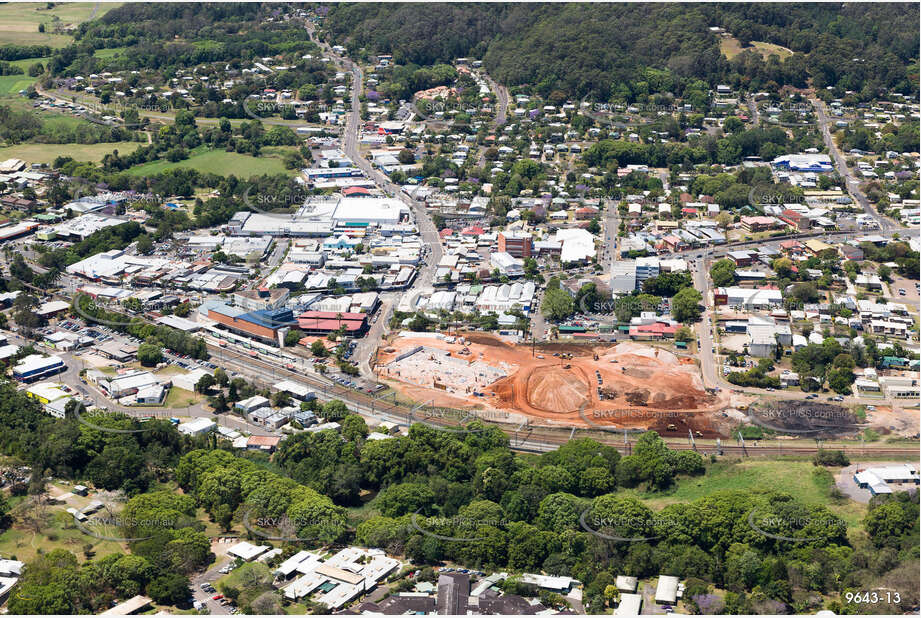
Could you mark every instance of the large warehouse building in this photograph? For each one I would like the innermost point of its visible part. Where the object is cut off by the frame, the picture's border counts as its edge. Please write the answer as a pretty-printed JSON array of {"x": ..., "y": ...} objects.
[
  {"x": 268, "y": 326},
  {"x": 320, "y": 216},
  {"x": 36, "y": 366}
]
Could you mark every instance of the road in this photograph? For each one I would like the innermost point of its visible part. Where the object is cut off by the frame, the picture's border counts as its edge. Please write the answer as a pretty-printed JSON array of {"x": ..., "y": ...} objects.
[
  {"x": 753, "y": 107},
  {"x": 609, "y": 253},
  {"x": 433, "y": 250},
  {"x": 852, "y": 182},
  {"x": 502, "y": 99}
]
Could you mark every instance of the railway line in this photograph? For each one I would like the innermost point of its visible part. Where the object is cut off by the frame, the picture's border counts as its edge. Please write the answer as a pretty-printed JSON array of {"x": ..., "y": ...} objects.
[{"x": 528, "y": 438}]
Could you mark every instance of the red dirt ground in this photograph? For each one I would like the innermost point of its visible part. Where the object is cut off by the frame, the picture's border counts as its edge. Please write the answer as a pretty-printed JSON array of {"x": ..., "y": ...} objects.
[{"x": 648, "y": 386}]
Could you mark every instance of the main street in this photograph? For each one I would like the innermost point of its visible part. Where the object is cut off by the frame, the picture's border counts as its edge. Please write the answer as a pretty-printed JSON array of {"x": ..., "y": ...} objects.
[
  {"x": 853, "y": 184},
  {"x": 432, "y": 248}
]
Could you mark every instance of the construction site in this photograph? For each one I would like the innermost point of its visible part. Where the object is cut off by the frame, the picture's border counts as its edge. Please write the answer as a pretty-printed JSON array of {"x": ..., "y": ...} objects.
[{"x": 627, "y": 385}]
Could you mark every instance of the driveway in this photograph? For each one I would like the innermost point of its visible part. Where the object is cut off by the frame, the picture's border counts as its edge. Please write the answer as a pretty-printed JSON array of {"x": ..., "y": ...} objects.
[{"x": 210, "y": 576}]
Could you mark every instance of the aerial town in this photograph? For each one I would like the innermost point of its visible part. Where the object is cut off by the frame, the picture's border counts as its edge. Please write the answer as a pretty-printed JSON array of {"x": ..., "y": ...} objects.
[{"x": 459, "y": 309}]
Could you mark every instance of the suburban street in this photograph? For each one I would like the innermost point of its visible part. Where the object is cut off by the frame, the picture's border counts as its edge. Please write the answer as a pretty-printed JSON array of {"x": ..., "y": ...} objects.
[{"x": 853, "y": 184}]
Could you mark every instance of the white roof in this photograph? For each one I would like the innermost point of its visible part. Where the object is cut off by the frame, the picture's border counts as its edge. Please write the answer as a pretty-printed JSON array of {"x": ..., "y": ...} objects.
[
  {"x": 247, "y": 551},
  {"x": 550, "y": 582},
  {"x": 629, "y": 604},
  {"x": 667, "y": 589},
  {"x": 196, "y": 425},
  {"x": 34, "y": 362}
]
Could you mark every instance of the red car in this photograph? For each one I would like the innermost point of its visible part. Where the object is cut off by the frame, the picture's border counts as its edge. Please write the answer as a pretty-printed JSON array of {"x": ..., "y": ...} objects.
[{"x": 217, "y": 597}]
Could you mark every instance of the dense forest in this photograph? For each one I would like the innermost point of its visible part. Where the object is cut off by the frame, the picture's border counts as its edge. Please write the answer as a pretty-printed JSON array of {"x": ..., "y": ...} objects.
[
  {"x": 555, "y": 513},
  {"x": 605, "y": 51}
]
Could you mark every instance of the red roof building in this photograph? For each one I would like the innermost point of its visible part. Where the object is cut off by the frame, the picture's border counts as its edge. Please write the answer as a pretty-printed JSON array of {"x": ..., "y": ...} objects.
[
  {"x": 355, "y": 192},
  {"x": 325, "y": 322},
  {"x": 656, "y": 330}
]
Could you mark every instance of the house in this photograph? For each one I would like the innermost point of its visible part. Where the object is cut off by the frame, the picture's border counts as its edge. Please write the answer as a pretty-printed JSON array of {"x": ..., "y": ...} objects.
[
  {"x": 626, "y": 583},
  {"x": 758, "y": 224},
  {"x": 657, "y": 330},
  {"x": 247, "y": 551},
  {"x": 248, "y": 406},
  {"x": 630, "y": 605},
  {"x": 667, "y": 590},
  {"x": 850, "y": 252},
  {"x": 197, "y": 427},
  {"x": 132, "y": 606}
]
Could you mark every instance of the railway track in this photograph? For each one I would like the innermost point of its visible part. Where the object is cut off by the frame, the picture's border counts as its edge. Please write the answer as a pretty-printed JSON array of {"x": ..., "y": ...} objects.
[{"x": 542, "y": 439}]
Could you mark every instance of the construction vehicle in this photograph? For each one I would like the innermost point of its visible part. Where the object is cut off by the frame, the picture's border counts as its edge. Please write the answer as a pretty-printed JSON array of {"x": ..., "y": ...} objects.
[{"x": 595, "y": 356}]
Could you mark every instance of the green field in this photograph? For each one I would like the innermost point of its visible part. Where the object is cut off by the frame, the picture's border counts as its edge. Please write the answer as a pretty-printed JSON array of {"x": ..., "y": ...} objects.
[
  {"x": 12, "y": 84},
  {"x": 108, "y": 53},
  {"x": 19, "y": 21},
  {"x": 730, "y": 47},
  {"x": 46, "y": 153},
  {"x": 180, "y": 398},
  {"x": 219, "y": 162},
  {"x": 791, "y": 477}
]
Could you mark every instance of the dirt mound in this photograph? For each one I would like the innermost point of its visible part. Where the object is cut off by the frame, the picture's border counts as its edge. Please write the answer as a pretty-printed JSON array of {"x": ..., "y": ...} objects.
[
  {"x": 641, "y": 386},
  {"x": 633, "y": 372},
  {"x": 487, "y": 340},
  {"x": 556, "y": 390},
  {"x": 637, "y": 398},
  {"x": 805, "y": 417}
]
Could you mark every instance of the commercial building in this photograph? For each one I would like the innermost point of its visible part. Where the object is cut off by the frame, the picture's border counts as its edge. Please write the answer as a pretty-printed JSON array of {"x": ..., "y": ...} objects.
[
  {"x": 36, "y": 366},
  {"x": 197, "y": 427},
  {"x": 516, "y": 243},
  {"x": 506, "y": 264},
  {"x": 325, "y": 322},
  {"x": 261, "y": 299},
  {"x": 747, "y": 298},
  {"x": 267, "y": 326},
  {"x": 803, "y": 163},
  {"x": 879, "y": 479}
]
